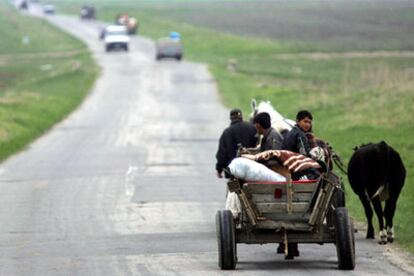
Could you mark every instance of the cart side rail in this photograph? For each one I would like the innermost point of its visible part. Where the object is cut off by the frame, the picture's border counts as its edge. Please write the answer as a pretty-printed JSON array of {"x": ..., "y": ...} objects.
[{"x": 273, "y": 198}]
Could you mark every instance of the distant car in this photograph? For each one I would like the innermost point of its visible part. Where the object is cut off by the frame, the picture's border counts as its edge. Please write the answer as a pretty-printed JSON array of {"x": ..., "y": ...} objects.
[
  {"x": 116, "y": 37},
  {"x": 175, "y": 35},
  {"x": 23, "y": 5},
  {"x": 87, "y": 12},
  {"x": 169, "y": 48},
  {"x": 49, "y": 9}
]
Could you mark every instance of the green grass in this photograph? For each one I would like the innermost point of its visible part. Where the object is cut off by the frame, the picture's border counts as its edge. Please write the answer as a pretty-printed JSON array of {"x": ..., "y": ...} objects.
[
  {"x": 306, "y": 25},
  {"x": 354, "y": 100},
  {"x": 41, "y": 81},
  {"x": 319, "y": 25}
]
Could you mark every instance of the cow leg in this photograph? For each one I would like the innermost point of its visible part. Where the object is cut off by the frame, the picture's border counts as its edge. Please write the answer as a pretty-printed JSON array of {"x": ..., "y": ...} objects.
[
  {"x": 389, "y": 211},
  {"x": 368, "y": 214},
  {"x": 390, "y": 205},
  {"x": 378, "y": 210},
  {"x": 390, "y": 234}
]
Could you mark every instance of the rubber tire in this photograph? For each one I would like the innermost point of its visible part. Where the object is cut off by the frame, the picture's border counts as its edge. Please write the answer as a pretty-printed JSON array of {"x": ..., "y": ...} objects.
[
  {"x": 126, "y": 48},
  {"x": 226, "y": 240},
  {"x": 178, "y": 57},
  {"x": 338, "y": 200},
  {"x": 340, "y": 196},
  {"x": 107, "y": 48},
  {"x": 345, "y": 241}
]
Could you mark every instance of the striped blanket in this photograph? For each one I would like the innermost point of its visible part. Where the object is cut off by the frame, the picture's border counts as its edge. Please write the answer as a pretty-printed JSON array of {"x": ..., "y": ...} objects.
[{"x": 293, "y": 161}]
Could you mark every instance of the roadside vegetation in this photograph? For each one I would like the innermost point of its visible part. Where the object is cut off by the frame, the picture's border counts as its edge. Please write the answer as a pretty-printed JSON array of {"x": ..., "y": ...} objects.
[
  {"x": 355, "y": 98},
  {"x": 319, "y": 25},
  {"x": 44, "y": 75}
]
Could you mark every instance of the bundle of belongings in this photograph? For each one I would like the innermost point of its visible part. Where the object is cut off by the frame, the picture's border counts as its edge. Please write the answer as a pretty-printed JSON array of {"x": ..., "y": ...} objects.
[
  {"x": 249, "y": 170},
  {"x": 274, "y": 165},
  {"x": 270, "y": 166}
]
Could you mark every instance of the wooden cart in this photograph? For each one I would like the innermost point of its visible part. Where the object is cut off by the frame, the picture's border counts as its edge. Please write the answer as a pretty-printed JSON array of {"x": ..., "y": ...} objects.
[{"x": 287, "y": 212}]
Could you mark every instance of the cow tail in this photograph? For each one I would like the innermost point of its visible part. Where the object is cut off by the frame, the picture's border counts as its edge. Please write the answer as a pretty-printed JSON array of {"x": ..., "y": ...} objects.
[{"x": 378, "y": 192}]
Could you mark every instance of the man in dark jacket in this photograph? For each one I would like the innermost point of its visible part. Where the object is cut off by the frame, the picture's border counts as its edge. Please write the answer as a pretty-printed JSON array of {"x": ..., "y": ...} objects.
[
  {"x": 271, "y": 140},
  {"x": 238, "y": 133}
]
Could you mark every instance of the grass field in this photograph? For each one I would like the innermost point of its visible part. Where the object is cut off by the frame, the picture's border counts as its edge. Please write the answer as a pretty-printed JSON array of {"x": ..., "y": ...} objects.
[
  {"x": 299, "y": 25},
  {"x": 354, "y": 99},
  {"x": 303, "y": 25},
  {"x": 44, "y": 75}
]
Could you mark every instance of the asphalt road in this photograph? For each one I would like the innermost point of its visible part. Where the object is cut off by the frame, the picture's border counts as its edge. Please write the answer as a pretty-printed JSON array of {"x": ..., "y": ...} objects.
[{"x": 126, "y": 185}]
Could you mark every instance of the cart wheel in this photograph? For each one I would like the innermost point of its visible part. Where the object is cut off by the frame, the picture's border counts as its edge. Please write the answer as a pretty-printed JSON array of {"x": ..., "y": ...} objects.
[
  {"x": 226, "y": 239},
  {"x": 338, "y": 200},
  {"x": 345, "y": 242},
  {"x": 340, "y": 196}
]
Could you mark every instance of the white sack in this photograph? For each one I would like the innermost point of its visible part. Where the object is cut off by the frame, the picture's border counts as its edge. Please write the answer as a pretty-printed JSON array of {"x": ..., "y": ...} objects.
[
  {"x": 250, "y": 170},
  {"x": 233, "y": 204}
]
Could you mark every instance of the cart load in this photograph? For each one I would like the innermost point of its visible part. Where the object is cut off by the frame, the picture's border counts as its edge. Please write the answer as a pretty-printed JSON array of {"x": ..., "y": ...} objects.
[{"x": 128, "y": 21}]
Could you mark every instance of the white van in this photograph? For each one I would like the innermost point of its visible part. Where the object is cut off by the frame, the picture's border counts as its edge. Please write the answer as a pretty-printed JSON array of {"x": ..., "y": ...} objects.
[{"x": 116, "y": 37}]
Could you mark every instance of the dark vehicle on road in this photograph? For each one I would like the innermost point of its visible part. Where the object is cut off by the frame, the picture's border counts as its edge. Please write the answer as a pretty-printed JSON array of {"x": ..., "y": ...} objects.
[
  {"x": 307, "y": 211},
  {"x": 87, "y": 12},
  {"x": 23, "y": 5},
  {"x": 169, "y": 48}
]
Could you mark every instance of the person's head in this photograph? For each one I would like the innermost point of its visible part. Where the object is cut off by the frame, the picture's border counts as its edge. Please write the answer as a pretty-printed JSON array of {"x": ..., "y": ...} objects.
[
  {"x": 236, "y": 115},
  {"x": 262, "y": 122},
  {"x": 304, "y": 120}
]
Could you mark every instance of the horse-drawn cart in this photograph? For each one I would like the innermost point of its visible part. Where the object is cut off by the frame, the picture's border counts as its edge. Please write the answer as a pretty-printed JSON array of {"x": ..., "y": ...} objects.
[{"x": 287, "y": 212}]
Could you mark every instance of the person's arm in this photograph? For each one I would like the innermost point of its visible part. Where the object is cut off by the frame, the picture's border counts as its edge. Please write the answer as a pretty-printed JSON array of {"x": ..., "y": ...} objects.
[
  {"x": 303, "y": 144},
  {"x": 221, "y": 156}
]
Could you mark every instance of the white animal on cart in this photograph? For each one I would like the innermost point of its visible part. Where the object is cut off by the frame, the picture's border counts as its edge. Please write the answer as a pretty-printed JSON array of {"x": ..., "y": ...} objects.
[{"x": 280, "y": 123}]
